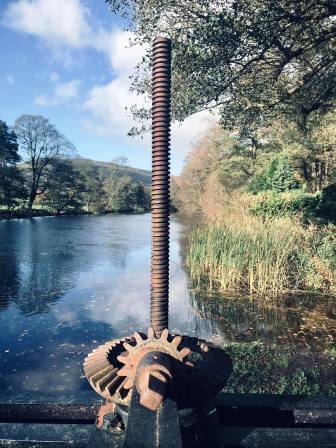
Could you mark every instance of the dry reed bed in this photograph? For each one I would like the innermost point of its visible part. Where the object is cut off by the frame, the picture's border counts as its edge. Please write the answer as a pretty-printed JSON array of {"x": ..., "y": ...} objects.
[{"x": 243, "y": 254}]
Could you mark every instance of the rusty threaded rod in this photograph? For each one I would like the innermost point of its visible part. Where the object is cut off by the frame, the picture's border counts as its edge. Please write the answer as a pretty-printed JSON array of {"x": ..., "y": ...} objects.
[{"x": 161, "y": 61}]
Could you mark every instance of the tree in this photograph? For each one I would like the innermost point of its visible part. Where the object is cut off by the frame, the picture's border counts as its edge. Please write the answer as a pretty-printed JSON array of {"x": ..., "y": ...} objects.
[
  {"x": 65, "y": 187},
  {"x": 40, "y": 143},
  {"x": 112, "y": 187},
  {"x": 92, "y": 193},
  {"x": 278, "y": 176},
  {"x": 122, "y": 193},
  {"x": 251, "y": 59},
  {"x": 12, "y": 188}
]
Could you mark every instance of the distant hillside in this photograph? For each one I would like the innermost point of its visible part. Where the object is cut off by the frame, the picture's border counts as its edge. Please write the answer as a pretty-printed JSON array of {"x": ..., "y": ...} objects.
[{"x": 136, "y": 174}]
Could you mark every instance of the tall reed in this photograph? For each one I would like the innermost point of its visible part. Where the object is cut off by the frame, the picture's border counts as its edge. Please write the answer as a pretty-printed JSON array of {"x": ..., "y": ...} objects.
[{"x": 247, "y": 255}]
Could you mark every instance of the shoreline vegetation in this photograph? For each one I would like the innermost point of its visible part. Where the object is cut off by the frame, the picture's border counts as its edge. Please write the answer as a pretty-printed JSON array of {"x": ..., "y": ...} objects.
[
  {"x": 40, "y": 213},
  {"x": 269, "y": 259},
  {"x": 42, "y": 175},
  {"x": 266, "y": 215}
]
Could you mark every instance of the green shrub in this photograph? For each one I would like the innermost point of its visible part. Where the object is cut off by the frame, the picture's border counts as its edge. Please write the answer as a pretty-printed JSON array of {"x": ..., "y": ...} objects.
[
  {"x": 323, "y": 245},
  {"x": 327, "y": 205},
  {"x": 278, "y": 177},
  {"x": 318, "y": 208},
  {"x": 301, "y": 205}
]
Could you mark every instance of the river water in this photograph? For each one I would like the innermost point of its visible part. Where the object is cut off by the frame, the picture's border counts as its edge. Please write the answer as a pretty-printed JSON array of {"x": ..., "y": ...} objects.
[{"x": 68, "y": 284}]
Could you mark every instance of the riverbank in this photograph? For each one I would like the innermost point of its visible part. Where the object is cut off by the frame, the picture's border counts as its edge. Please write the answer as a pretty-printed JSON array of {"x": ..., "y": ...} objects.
[
  {"x": 36, "y": 213},
  {"x": 23, "y": 214},
  {"x": 269, "y": 259}
]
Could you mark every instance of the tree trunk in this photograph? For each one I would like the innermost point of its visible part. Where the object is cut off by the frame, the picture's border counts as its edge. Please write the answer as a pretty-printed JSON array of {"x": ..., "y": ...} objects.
[{"x": 32, "y": 197}]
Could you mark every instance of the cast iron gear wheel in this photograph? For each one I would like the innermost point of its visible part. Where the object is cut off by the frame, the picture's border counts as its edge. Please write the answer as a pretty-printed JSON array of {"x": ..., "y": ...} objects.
[
  {"x": 200, "y": 369},
  {"x": 135, "y": 352}
]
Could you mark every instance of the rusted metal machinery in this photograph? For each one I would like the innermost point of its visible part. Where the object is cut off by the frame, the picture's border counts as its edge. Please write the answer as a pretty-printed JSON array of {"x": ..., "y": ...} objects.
[
  {"x": 158, "y": 365},
  {"x": 160, "y": 183}
]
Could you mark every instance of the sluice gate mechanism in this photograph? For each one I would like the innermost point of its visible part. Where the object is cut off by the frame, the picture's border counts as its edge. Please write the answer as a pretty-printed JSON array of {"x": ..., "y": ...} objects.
[{"x": 158, "y": 366}]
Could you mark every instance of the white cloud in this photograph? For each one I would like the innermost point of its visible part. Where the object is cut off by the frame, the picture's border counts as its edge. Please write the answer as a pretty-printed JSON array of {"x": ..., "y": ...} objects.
[
  {"x": 107, "y": 103},
  {"x": 62, "y": 94},
  {"x": 184, "y": 135},
  {"x": 116, "y": 45},
  {"x": 61, "y": 22},
  {"x": 54, "y": 77},
  {"x": 10, "y": 79},
  {"x": 66, "y": 25},
  {"x": 107, "y": 106}
]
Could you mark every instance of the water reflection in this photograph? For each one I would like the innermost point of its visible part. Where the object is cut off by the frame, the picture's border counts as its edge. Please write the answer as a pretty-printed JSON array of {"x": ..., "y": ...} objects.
[
  {"x": 241, "y": 319},
  {"x": 68, "y": 284},
  {"x": 307, "y": 322}
]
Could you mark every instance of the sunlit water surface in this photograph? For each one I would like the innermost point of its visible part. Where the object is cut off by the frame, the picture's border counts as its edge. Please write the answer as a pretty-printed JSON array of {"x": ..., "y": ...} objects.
[{"x": 68, "y": 284}]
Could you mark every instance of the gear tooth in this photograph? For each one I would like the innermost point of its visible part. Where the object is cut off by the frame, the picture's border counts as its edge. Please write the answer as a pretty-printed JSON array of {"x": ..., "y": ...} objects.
[
  {"x": 114, "y": 385},
  {"x": 128, "y": 396},
  {"x": 128, "y": 383},
  {"x": 106, "y": 379},
  {"x": 123, "y": 371},
  {"x": 164, "y": 334},
  {"x": 128, "y": 347},
  {"x": 101, "y": 374},
  {"x": 138, "y": 337},
  {"x": 177, "y": 341},
  {"x": 122, "y": 359},
  {"x": 120, "y": 386},
  {"x": 151, "y": 333},
  {"x": 94, "y": 368},
  {"x": 185, "y": 352}
]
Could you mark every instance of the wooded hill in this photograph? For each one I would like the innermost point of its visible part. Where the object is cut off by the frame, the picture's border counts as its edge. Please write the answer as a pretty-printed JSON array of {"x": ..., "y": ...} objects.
[{"x": 136, "y": 174}]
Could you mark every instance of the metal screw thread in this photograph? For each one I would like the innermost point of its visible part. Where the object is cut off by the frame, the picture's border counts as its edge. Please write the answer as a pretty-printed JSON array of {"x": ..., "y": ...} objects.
[{"x": 161, "y": 61}]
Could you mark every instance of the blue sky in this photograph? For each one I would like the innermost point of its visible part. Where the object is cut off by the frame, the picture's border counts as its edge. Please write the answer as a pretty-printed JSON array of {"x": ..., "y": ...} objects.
[{"x": 70, "y": 61}]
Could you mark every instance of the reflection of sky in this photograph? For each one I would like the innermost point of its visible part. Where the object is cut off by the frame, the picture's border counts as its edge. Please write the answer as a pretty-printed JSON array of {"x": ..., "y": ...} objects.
[
  {"x": 77, "y": 282},
  {"x": 69, "y": 284}
]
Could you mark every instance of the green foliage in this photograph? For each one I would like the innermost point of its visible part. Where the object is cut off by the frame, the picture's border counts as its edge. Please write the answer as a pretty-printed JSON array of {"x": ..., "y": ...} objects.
[
  {"x": 251, "y": 59},
  {"x": 12, "y": 189},
  {"x": 122, "y": 193},
  {"x": 258, "y": 368},
  {"x": 318, "y": 208},
  {"x": 274, "y": 205},
  {"x": 278, "y": 176},
  {"x": 40, "y": 144},
  {"x": 64, "y": 188},
  {"x": 8, "y": 146},
  {"x": 323, "y": 246},
  {"x": 327, "y": 205},
  {"x": 128, "y": 196},
  {"x": 49, "y": 177}
]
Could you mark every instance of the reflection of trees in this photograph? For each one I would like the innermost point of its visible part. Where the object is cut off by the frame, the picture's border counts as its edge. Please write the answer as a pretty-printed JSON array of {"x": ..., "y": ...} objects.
[
  {"x": 41, "y": 259},
  {"x": 9, "y": 282},
  {"x": 47, "y": 268},
  {"x": 241, "y": 319}
]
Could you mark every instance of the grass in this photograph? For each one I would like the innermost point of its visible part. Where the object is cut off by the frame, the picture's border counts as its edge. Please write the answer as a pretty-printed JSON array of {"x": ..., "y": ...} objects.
[
  {"x": 266, "y": 258},
  {"x": 270, "y": 369}
]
